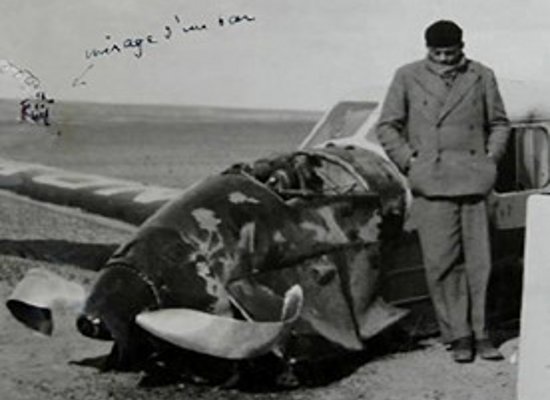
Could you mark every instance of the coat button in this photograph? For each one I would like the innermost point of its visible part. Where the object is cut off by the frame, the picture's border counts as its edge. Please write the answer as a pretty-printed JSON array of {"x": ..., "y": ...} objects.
[
  {"x": 472, "y": 152},
  {"x": 472, "y": 127}
]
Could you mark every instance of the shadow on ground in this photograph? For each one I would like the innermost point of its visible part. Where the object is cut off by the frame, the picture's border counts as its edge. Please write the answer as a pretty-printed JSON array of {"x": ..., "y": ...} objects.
[
  {"x": 90, "y": 256},
  {"x": 269, "y": 373}
]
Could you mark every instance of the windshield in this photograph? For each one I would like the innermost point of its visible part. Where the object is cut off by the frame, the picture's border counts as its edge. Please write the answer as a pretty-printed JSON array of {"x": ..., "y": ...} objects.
[{"x": 342, "y": 121}]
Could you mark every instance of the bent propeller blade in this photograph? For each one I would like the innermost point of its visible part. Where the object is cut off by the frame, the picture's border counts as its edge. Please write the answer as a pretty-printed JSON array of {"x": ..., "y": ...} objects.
[
  {"x": 222, "y": 336},
  {"x": 37, "y": 293}
]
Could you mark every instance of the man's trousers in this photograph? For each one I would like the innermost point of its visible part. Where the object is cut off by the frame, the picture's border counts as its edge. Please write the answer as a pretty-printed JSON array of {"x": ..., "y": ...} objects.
[{"x": 454, "y": 235}]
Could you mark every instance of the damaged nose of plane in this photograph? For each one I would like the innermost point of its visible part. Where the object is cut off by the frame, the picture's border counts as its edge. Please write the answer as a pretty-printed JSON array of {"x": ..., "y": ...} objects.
[{"x": 93, "y": 327}]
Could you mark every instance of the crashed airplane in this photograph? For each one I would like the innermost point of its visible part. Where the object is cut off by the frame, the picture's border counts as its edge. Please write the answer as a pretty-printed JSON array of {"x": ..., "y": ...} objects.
[
  {"x": 263, "y": 254},
  {"x": 286, "y": 255}
]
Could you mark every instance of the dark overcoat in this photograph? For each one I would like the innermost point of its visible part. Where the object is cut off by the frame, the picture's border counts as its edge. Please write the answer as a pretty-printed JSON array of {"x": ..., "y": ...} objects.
[{"x": 456, "y": 135}]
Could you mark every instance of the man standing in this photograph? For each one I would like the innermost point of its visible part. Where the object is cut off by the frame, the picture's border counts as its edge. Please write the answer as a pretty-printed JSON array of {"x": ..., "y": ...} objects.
[{"x": 444, "y": 125}]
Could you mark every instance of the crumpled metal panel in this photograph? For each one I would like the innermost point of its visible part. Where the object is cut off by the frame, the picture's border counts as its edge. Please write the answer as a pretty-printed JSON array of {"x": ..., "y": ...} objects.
[{"x": 232, "y": 244}]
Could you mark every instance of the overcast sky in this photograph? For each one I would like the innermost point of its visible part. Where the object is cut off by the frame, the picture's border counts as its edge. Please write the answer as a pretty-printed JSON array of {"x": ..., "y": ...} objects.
[{"x": 296, "y": 54}]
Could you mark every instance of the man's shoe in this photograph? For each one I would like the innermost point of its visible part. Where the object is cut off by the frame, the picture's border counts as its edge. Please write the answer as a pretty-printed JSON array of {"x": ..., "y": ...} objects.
[
  {"x": 487, "y": 351},
  {"x": 462, "y": 350}
]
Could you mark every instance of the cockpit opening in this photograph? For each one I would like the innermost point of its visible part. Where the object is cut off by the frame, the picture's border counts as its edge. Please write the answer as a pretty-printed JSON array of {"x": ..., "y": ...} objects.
[{"x": 526, "y": 163}]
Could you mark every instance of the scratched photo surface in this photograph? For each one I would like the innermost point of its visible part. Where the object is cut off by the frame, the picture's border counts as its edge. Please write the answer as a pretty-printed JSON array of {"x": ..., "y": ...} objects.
[{"x": 170, "y": 92}]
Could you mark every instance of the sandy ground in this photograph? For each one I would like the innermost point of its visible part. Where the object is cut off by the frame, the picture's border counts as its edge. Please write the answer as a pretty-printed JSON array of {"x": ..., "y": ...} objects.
[{"x": 73, "y": 245}]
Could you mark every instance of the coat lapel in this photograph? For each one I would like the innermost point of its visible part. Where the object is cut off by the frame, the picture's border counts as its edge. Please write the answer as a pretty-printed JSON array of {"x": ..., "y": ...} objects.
[
  {"x": 434, "y": 87},
  {"x": 431, "y": 83},
  {"x": 461, "y": 86}
]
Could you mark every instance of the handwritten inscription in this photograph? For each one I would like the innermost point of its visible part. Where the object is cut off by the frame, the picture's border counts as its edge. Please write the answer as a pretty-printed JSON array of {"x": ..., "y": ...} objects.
[
  {"x": 36, "y": 110},
  {"x": 79, "y": 80},
  {"x": 136, "y": 45},
  {"x": 24, "y": 76}
]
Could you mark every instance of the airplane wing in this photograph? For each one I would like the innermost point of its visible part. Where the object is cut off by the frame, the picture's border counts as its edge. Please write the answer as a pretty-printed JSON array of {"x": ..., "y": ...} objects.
[{"x": 124, "y": 200}]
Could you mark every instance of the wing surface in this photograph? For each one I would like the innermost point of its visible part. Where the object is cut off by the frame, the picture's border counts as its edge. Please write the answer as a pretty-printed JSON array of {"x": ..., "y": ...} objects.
[{"x": 124, "y": 200}]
